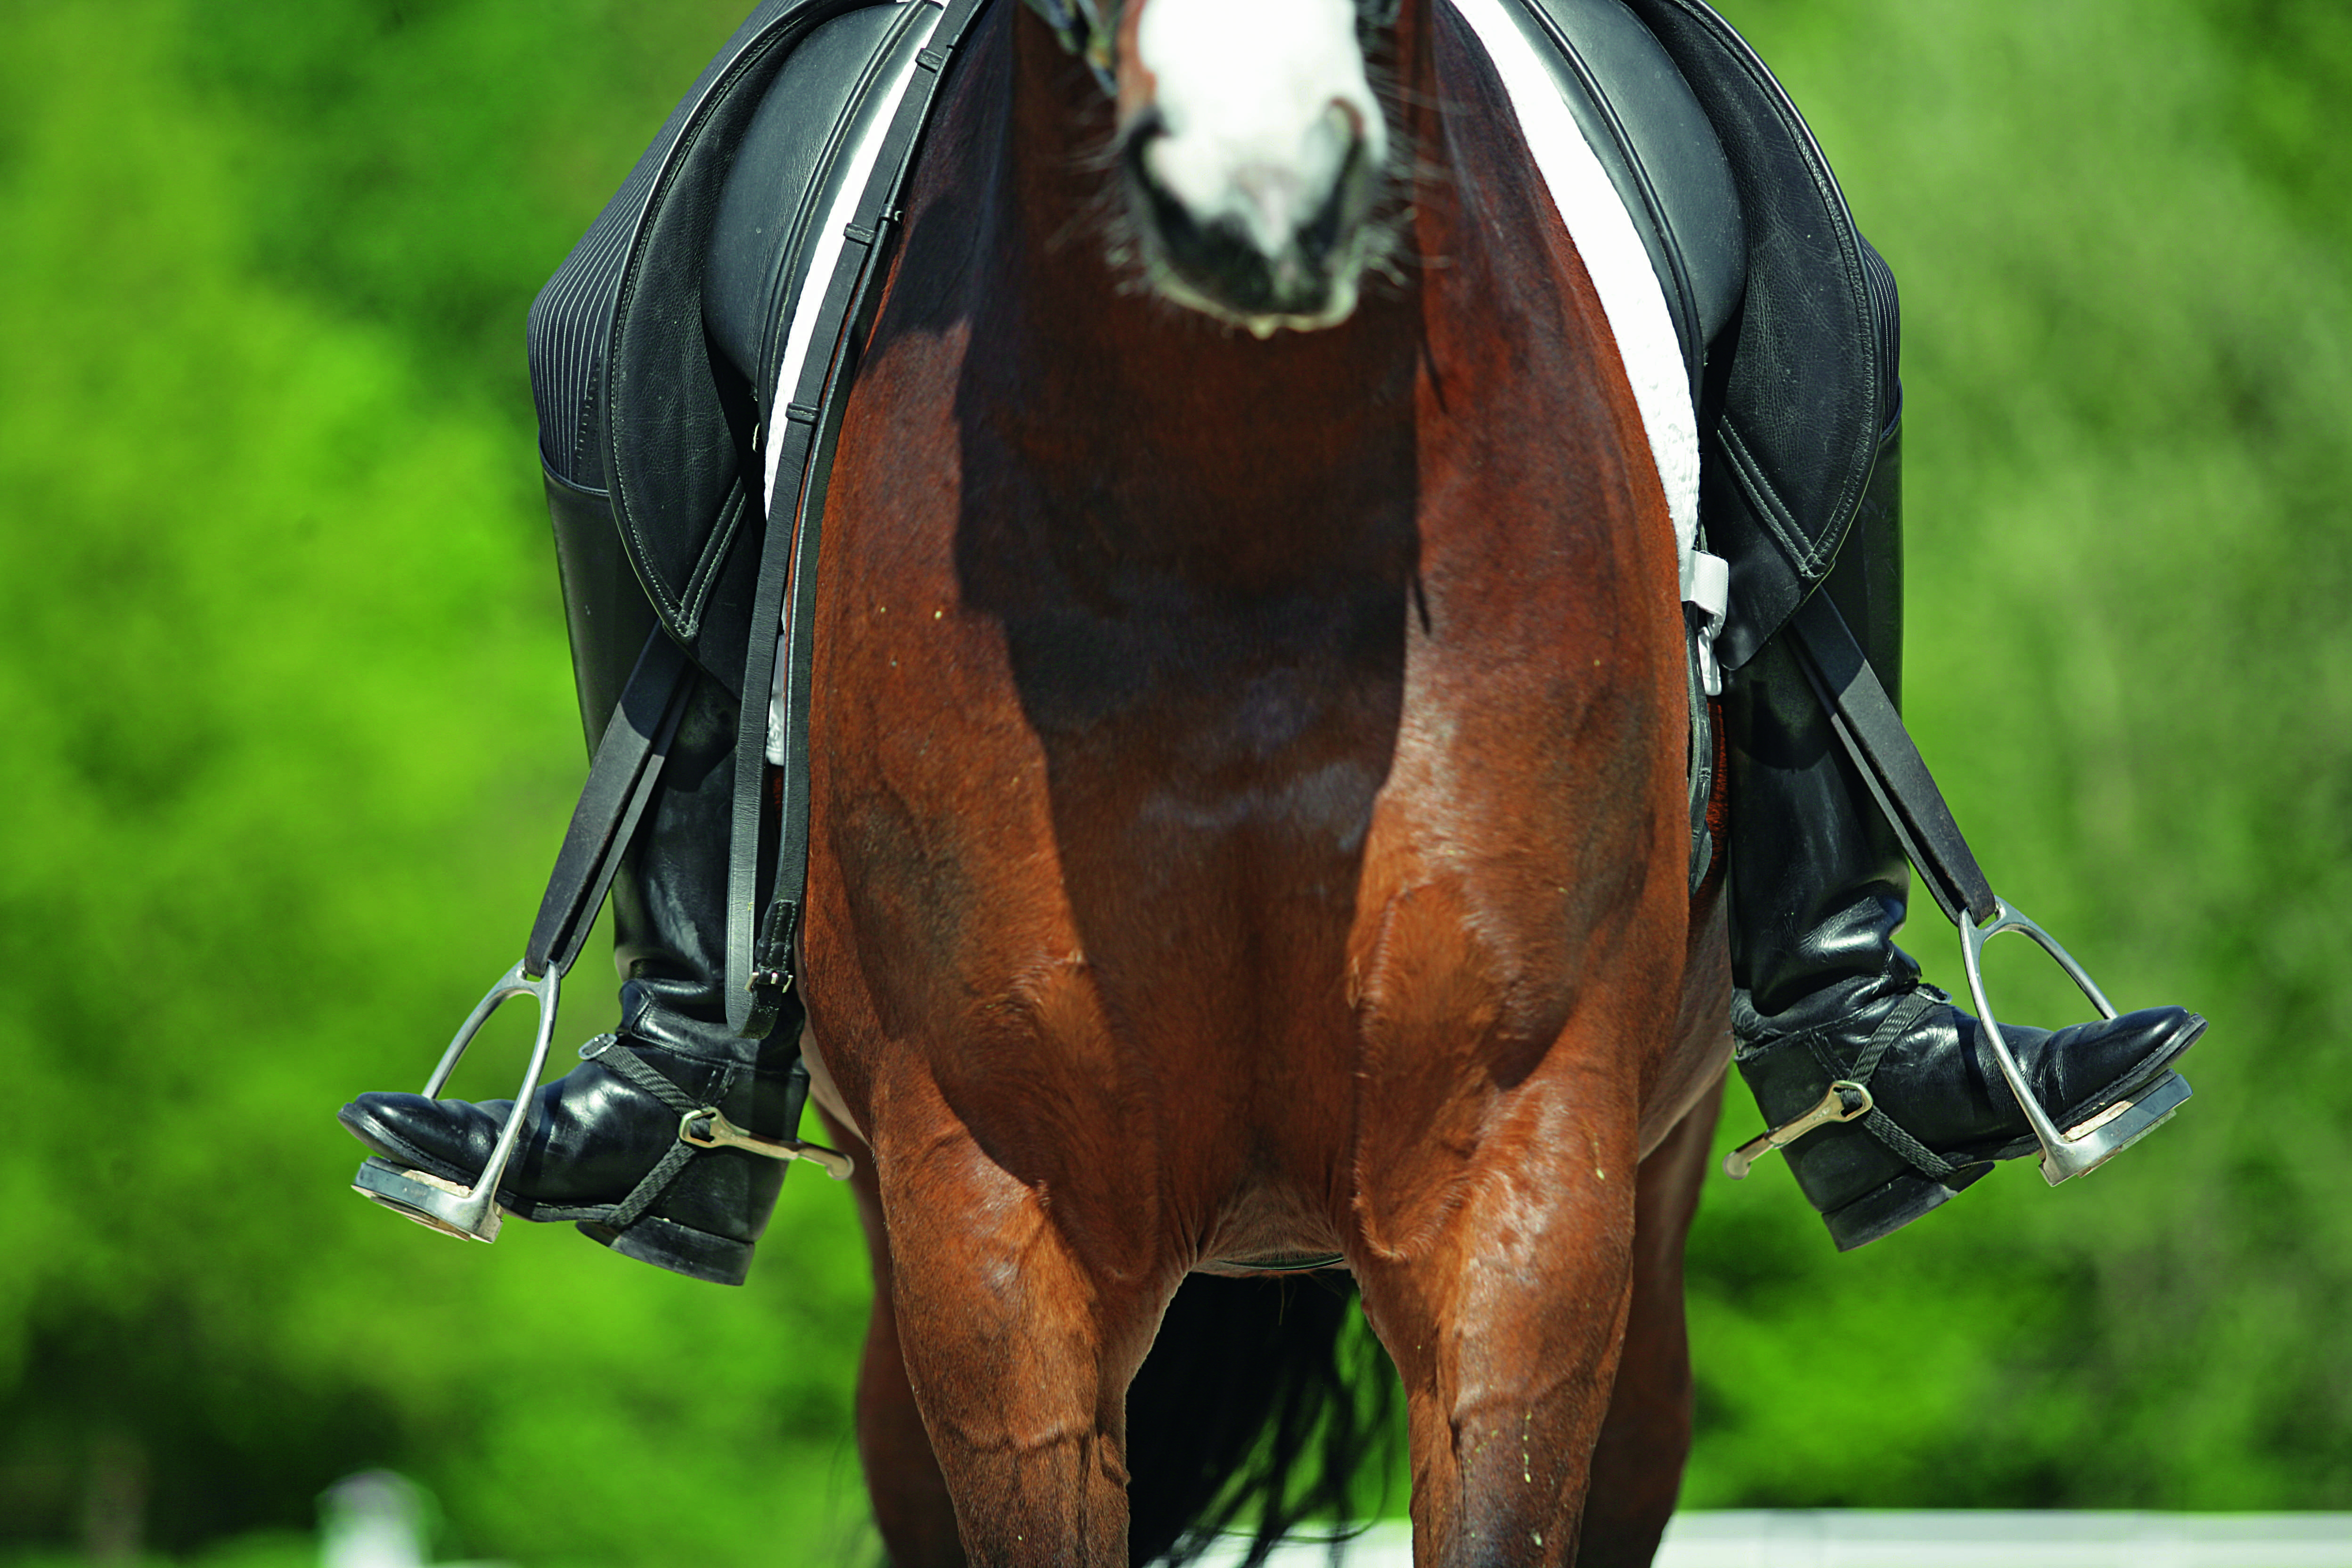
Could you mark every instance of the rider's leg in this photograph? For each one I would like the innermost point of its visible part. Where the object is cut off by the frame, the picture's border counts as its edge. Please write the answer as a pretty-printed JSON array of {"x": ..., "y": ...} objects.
[
  {"x": 1817, "y": 884},
  {"x": 596, "y": 1133}
]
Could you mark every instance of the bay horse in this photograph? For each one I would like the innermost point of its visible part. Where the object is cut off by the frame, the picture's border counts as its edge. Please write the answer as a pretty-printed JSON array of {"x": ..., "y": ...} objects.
[{"x": 1248, "y": 803}]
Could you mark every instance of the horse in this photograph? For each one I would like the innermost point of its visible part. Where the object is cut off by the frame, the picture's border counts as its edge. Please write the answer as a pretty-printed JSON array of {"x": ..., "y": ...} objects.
[{"x": 1249, "y": 829}]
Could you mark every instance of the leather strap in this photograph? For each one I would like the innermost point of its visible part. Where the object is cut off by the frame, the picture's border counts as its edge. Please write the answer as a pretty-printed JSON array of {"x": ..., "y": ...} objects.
[
  {"x": 1871, "y": 731},
  {"x": 607, "y": 1051},
  {"x": 1898, "y": 1023},
  {"x": 620, "y": 781},
  {"x": 760, "y": 947}
]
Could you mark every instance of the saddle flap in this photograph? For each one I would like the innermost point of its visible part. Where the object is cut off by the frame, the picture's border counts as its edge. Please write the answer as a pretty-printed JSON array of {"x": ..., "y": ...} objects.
[
  {"x": 631, "y": 408},
  {"x": 1659, "y": 150},
  {"x": 785, "y": 169},
  {"x": 1808, "y": 386}
]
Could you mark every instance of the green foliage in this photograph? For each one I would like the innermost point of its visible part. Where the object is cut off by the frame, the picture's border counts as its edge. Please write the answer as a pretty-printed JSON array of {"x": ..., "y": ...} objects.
[
  {"x": 290, "y": 739},
  {"x": 2126, "y": 375}
]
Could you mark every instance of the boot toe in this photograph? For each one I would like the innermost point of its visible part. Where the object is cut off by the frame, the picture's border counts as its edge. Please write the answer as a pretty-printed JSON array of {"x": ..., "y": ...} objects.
[
  {"x": 451, "y": 1139},
  {"x": 2085, "y": 1070},
  {"x": 1945, "y": 1085},
  {"x": 592, "y": 1134}
]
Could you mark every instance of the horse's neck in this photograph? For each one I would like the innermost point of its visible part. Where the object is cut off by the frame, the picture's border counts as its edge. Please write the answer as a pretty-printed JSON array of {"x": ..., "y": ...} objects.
[
  {"x": 1179, "y": 447},
  {"x": 1211, "y": 452}
]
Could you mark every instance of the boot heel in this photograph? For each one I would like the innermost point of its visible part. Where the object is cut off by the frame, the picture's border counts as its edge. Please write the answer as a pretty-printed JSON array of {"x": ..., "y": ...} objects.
[
  {"x": 1888, "y": 1207},
  {"x": 681, "y": 1248}
]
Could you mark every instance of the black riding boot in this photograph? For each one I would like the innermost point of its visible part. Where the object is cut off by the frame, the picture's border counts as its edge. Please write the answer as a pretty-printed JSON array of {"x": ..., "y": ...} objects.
[
  {"x": 1822, "y": 995},
  {"x": 603, "y": 1147}
]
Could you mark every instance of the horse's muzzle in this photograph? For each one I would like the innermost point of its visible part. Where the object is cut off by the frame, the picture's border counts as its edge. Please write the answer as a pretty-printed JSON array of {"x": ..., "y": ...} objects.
[{"x": 1269, "y": 251}]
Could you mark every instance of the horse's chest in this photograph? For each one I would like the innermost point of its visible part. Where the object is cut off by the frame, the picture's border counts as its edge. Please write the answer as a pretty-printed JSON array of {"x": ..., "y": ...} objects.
[
  {"x": 1208, "y": 818},
  {"x": 1082, "y": 801}
]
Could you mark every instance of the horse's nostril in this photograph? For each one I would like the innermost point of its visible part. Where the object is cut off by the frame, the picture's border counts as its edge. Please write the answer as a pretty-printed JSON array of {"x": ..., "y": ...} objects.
[
  {"x": 1348, "y": 119},
  {"x": 1322, "y": 234}
]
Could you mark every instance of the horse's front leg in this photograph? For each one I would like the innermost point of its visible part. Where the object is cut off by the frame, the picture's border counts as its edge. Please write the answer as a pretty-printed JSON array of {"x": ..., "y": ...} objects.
[
  {"x": 1505, "y": 1316},
  {"x": 1018, "y": 1357},
  {"x": 911, "y": 1506},
  {"x": 1637, "y": 1464}
]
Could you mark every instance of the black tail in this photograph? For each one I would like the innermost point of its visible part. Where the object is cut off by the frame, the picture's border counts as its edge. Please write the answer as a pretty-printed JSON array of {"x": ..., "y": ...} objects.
[{"x": 1260, "y": 1403}]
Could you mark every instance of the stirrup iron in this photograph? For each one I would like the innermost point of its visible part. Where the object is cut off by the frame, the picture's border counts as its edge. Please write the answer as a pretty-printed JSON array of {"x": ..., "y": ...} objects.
[
  {"x": 2093, "y": 1144},
  {"x": 621, "y": 781},
  {"x": 444, "y": 1205},
  {"x": 1872, "y": 732}
]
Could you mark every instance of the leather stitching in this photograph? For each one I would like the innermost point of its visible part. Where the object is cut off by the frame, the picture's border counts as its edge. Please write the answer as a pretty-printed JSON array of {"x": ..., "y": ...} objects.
[
  {"x": 1757, "y": 487},
  {"x": 714, "y": 554}
]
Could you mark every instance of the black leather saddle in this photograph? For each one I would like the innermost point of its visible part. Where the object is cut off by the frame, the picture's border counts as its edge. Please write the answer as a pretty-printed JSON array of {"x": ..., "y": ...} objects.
[{"x": 655, "y": 348}]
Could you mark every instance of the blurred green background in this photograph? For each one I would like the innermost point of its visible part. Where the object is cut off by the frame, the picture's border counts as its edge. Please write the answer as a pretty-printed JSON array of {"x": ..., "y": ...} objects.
[{"x": 289, "y": 739}]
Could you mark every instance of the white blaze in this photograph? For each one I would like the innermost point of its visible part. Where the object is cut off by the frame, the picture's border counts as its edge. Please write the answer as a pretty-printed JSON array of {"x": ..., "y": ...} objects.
[{"x": 1260, "y": 101}]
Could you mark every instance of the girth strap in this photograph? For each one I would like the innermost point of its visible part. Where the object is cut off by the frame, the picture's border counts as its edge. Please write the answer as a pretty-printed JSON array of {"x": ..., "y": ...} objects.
[{"x": 759, "y": 945}]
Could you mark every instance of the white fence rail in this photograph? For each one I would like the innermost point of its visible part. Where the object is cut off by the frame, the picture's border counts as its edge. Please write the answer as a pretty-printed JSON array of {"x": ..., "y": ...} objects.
[{"x": 1940, "y": 1539}]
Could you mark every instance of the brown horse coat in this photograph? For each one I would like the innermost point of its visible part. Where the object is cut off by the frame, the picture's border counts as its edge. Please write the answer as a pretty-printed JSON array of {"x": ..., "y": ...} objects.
[{"x": 1248, "y": 821}]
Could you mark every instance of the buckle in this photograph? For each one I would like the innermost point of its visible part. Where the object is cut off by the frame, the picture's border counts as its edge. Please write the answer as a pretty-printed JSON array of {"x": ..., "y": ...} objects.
[
  {"x": 1706, "y": 588},
  {"x": 1846, "y": 1102}
]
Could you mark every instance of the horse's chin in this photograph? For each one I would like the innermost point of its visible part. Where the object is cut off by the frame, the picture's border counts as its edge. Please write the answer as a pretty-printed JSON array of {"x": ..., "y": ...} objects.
[
  {"x": 1334, "y": 305},
  {"x": 1313, "y": 282}
]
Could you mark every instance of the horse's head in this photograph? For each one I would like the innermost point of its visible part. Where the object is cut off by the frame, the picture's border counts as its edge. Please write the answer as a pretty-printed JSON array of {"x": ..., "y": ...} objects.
[{"x": 1252, "y": 147}]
